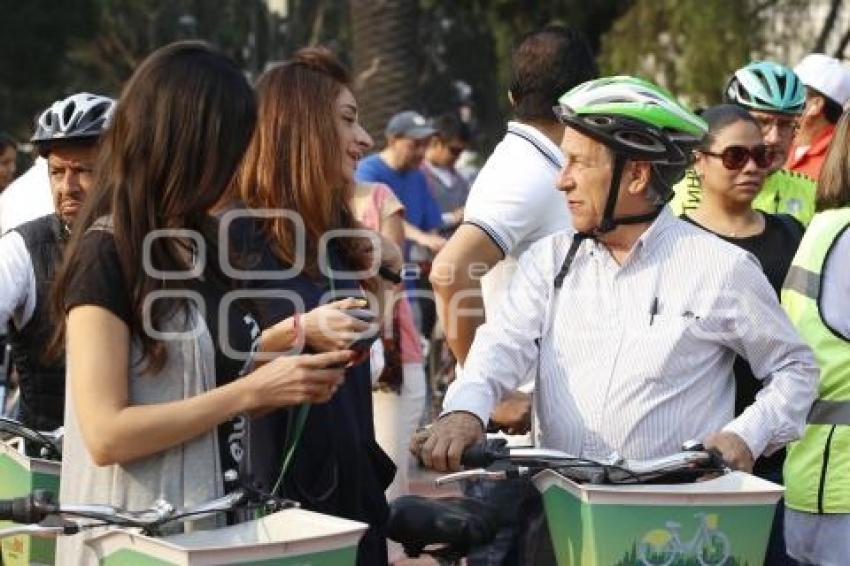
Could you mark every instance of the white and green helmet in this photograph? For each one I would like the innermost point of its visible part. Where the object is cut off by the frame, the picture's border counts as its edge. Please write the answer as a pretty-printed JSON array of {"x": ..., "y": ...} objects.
[
  {"x": 633, "y": 117},
  {"x": 768, "y": 87},
  {"x": 637, "y": 121}
]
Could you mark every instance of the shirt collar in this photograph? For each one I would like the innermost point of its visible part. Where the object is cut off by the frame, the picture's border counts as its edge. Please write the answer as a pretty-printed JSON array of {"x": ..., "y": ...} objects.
[
  {"x": 443, "y": 174},
  {"x": 818, "y": 147},
  {"x": 648, "y": 241},
  {"x": 538, "y": 136},
  {"x": 656, "y": 230},
  {"x": 821, "y": 144}
]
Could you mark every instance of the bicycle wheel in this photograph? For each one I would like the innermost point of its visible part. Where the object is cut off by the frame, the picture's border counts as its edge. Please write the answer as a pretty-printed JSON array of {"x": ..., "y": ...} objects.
[
  {"x": 713, "y": 549},
  {"x": 657, "y": 548}
]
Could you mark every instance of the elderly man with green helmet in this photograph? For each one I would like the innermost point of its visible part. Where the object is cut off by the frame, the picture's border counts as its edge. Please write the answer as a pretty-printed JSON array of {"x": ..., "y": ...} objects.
[
  {"x": 635, "y": 317},
  {"x": 774, "y": 95}
]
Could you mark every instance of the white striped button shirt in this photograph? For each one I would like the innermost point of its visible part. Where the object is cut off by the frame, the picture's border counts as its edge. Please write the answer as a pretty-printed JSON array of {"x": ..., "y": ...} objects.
[{"x": 612, "y": 376}]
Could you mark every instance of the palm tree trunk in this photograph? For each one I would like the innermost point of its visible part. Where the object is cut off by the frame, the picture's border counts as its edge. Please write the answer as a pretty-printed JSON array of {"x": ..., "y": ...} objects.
[{"x": 385, "y": 46}]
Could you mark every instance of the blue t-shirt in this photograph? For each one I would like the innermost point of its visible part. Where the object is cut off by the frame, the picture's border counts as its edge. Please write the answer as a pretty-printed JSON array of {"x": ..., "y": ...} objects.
[{"x": 411, "y": 188}]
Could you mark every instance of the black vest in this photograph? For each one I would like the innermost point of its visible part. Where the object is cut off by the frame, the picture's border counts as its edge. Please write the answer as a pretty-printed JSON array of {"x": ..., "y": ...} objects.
[{"x": 42, "y": 385}]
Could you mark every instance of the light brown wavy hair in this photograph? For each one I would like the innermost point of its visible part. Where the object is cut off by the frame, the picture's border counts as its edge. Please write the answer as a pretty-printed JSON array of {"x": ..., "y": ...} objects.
[{"x": 294, "y": 161}]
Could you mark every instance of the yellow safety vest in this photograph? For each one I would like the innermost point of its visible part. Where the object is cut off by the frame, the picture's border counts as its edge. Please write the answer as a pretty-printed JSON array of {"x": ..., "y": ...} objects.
[
  {"x": 783, "y": 192},
  {"x": 817, "y": 469}
]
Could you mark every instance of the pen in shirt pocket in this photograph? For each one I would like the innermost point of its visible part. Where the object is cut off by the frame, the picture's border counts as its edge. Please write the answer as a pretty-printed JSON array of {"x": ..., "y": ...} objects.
[{"x": 653, "y": 310}]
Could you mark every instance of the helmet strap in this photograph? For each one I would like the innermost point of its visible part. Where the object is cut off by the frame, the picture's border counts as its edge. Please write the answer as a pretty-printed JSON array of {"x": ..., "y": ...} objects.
[{"x": 609, "y": 223}]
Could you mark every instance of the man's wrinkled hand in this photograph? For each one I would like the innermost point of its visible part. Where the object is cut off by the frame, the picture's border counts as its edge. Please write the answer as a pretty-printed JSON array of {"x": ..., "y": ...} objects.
[
  {"x": 440, "y": 446},
  {"x": 734, "y": 450},
  {"x": 513, "y": 414}
]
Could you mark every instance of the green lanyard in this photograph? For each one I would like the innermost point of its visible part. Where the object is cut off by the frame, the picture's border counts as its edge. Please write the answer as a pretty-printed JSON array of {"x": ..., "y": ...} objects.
[{"x": 300, "y": 422}]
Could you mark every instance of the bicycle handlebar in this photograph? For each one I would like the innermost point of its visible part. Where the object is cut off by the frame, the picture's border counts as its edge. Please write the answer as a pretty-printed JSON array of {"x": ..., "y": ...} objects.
[
  {"x": 39, "y": 505},
  {"x": 39, "y": 531},
  {"x": 26, "y": 510},
  {"x": 523, "y": 461}
]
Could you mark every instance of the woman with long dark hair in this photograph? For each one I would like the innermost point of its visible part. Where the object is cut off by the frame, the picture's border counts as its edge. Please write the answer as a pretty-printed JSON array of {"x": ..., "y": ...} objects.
[
  {"x": 154, "y": 342},
  {"x": 302, "y": 159}
]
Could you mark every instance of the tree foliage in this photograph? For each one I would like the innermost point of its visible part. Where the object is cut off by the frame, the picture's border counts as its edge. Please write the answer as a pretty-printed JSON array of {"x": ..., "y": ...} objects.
[
  {"x": 690, "y": 46},
  {"x": 129, "y": 30},
  {"x": 49, "y": 49},
  {"x": 472, "y": 41},
  {"x": 34, "y": 36}
]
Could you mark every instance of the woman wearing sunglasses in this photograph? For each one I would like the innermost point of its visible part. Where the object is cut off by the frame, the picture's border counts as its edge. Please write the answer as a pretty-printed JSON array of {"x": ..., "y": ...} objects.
[{"x": 732, "y": 163}]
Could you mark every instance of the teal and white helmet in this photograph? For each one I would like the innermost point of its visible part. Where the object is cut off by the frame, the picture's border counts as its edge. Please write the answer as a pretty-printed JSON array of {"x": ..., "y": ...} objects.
[
  {"x": 637, "y": 121},
  {"x": 768, "y": 87}
]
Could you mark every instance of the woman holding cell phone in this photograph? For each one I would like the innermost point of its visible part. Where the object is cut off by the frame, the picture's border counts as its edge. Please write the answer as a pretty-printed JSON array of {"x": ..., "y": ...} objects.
[
  {"x": 301, "y": 161},
  {"x": 155, "y": 400}
]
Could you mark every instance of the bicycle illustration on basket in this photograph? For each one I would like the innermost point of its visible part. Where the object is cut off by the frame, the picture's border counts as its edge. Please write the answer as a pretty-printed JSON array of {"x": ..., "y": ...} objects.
[{"x": 662, "y": 547}]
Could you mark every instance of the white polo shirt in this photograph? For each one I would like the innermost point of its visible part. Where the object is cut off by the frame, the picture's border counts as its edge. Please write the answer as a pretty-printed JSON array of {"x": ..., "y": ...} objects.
[
  {"x": 26, "y": 198},
  {"x": 514, "y": 201}
]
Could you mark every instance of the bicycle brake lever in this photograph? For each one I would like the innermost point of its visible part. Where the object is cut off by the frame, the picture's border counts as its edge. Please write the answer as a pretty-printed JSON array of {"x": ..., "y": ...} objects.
[
  {"x": 481, "y": 473},
  {"x": 693, "y": 446},
  {"x": 716, "y": 460}
]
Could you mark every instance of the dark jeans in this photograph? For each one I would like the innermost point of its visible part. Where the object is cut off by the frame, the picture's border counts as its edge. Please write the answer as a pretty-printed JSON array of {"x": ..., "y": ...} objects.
[{"x": 524, "y": 539}]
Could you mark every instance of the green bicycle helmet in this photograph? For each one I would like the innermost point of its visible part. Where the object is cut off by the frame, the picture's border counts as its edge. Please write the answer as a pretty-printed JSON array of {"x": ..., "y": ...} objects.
[
  {"x": 766, "y": 86},
  {"x": 637, "y": 121}
]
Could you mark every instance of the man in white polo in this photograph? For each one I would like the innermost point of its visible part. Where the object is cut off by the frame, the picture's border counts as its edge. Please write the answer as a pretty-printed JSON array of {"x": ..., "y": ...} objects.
[{"x": 512, "y": 204}]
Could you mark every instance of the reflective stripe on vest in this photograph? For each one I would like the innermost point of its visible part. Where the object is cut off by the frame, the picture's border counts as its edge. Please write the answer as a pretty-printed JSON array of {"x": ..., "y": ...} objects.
[
  {"x": 829, "y": 413},
  {"x": 817, "y": 468},
  {"x": 803, "y": 281}
]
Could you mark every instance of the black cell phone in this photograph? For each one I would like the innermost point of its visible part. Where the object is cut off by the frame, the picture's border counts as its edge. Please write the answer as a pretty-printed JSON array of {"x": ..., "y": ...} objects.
[
  {"x": 367, "y": 316},
  {"x": 364, "y": 343},
  {"x": 389, "y": 274},
  {"x": 359, "y": 347}
]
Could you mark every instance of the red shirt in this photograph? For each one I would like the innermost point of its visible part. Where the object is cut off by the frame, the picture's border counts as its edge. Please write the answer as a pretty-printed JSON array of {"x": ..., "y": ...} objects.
[{"x": 811, "y": 161}]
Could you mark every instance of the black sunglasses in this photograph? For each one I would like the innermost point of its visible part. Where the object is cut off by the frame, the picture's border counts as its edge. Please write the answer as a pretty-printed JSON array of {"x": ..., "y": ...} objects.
[{"x": 736, "y": 156}]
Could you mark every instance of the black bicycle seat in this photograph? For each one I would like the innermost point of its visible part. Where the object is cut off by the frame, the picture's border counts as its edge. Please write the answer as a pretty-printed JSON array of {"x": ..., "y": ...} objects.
[{"x": 447, "y": 527}]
